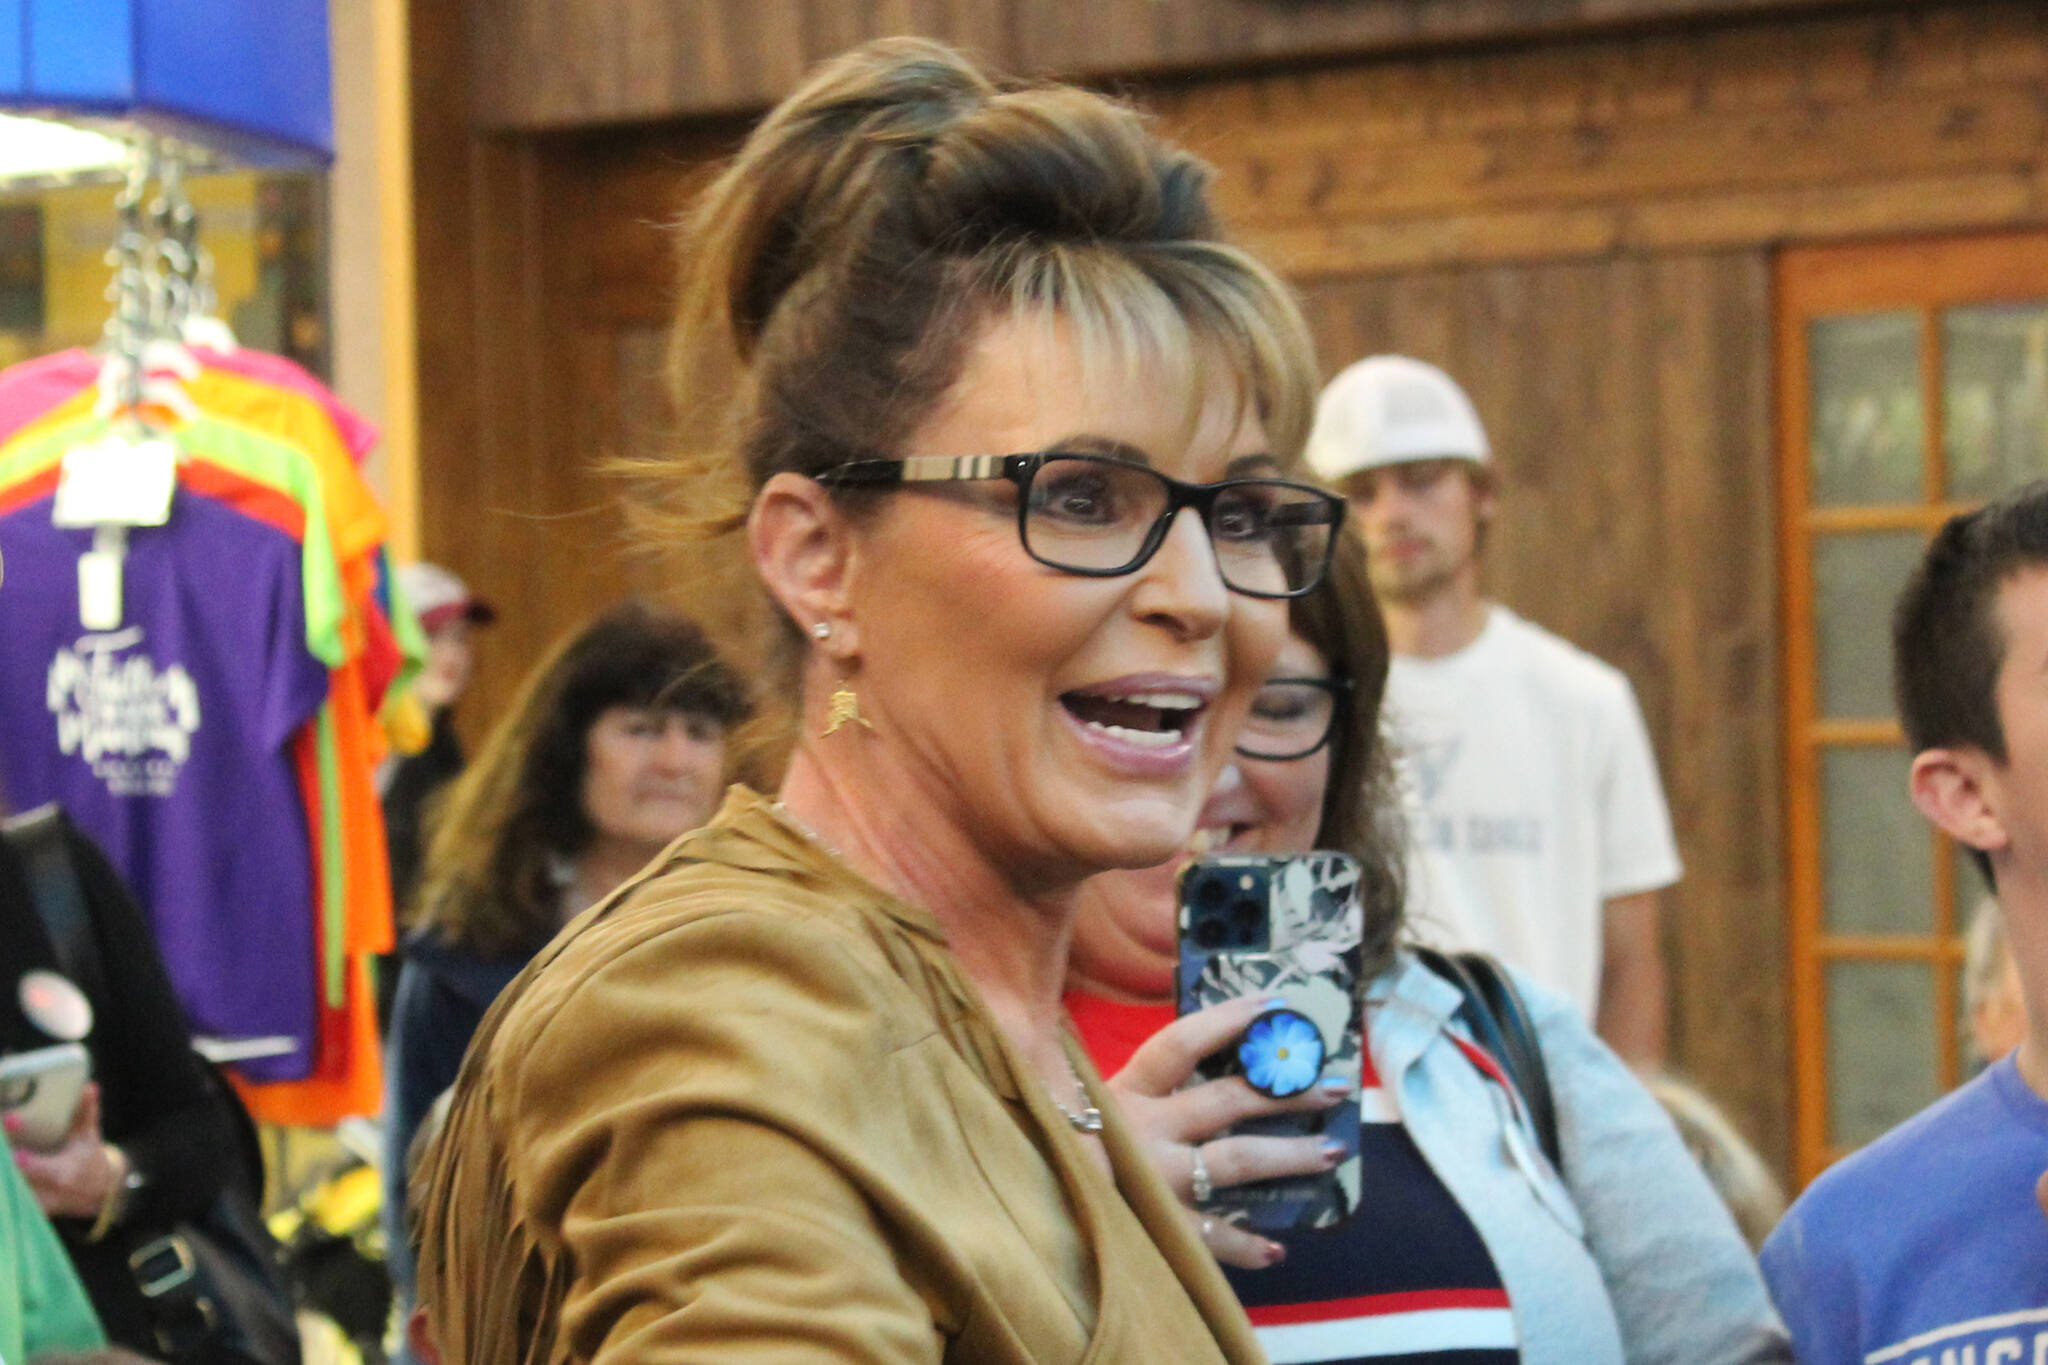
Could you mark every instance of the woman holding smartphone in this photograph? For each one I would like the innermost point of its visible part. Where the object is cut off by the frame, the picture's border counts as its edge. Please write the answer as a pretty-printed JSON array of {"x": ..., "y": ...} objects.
[
  {"x": 1466, "y": 1244},
  {"x": 151, "y": 1143}
]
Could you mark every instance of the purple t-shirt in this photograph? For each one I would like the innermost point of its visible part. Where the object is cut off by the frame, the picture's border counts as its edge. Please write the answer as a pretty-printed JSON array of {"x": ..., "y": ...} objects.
[{"x": 168, "y": 741}]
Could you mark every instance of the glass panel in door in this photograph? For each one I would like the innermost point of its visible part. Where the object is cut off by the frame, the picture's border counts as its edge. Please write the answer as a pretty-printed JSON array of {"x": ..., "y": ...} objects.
[{"x": 1868, "y": 416}]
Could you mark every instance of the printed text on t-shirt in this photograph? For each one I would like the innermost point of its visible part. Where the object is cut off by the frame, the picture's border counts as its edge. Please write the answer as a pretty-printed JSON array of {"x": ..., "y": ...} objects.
[
  {"x": 1516, "y": 835},
  {"x": 129, "y": 720}
]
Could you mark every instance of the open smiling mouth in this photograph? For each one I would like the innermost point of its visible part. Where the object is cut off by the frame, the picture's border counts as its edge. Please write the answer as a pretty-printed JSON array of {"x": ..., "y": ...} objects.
[{"x": 1152, "y": 720}]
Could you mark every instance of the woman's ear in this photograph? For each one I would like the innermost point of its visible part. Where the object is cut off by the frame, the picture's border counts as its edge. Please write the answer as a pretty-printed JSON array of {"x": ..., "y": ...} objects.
[
  {"x": 803, "y": 548},
  {"x": 1955, "y": 790}
]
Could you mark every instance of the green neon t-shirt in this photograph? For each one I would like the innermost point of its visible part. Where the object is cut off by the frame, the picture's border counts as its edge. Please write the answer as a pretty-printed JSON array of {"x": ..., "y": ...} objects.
[{"x": 43, "y": 1307}]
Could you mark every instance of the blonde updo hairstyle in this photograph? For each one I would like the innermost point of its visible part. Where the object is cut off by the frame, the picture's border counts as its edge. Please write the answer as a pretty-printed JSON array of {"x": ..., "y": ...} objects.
[{"x": 839, "y": 269}]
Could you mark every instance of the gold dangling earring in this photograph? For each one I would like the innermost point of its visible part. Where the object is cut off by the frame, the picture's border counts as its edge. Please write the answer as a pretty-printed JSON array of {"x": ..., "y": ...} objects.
[{"x": 845, "y": 707}]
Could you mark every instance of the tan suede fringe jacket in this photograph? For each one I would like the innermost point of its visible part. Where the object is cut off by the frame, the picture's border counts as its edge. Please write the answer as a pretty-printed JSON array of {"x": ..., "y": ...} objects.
[{"x": 749, "y": 1109}]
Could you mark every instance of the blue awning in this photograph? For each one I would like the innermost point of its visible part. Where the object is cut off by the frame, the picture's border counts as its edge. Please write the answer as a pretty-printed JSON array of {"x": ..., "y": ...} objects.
[{"x": 248, "y": 78}]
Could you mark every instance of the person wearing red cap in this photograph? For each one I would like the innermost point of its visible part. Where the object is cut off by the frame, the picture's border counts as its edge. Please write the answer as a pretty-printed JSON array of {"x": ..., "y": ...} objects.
[
  {"x": 447, "y": 610},
  {"x": 448, "y": 613}
]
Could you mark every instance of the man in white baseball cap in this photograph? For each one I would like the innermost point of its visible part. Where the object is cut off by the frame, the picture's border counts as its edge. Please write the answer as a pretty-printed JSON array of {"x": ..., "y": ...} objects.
[{"x": 1538, "y": 827}]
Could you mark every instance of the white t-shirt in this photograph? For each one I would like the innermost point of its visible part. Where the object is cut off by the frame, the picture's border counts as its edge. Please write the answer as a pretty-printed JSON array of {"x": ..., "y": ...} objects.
[{"x": 1532, "y": 798}]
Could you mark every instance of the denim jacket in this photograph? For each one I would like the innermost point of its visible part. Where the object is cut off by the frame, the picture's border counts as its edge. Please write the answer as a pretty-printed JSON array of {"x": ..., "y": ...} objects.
[{"x": 1630, "y": 1256}]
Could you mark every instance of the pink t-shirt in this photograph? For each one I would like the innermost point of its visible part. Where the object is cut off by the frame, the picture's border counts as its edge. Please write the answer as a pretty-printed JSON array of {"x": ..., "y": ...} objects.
[{"x": 34, "y": 387}]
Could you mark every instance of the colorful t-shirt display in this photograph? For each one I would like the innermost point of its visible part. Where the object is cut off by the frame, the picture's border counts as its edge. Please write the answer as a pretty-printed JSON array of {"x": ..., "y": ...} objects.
[
  {"x": 1927, "y": 1247},
  {"x": 168, "y": 740},
  {"x": 263, "y": 440},
  {"x": 30, "y": 389},
  {"x": 356, "y": 432}
]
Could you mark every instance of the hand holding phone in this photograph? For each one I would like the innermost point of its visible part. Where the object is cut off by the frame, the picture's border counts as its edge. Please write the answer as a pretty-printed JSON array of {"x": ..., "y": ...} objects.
[
  {"x": 1174, "y": 1116},
  {"x": 74, "y": 1178},
  {"x": 1286, "y": 930}
]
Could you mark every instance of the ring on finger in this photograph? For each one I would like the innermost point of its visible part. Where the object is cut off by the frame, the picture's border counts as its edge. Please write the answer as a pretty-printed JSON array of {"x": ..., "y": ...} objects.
[
  {"x": 1199, "y": 1184},
  {"x": 1208, "y": 1226}
]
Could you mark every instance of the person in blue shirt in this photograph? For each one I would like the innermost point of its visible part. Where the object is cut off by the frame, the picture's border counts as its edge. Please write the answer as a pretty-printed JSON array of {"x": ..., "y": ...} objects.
[{"x": 1927, "y": 1247}]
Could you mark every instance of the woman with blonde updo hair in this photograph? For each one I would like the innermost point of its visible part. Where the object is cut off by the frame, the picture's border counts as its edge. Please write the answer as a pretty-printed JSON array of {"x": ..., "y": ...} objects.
[{"x": 1013, "y": 429}]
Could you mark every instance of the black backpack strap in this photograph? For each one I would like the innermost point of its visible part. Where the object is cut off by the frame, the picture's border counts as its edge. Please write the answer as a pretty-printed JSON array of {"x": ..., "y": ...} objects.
[
  {"x": 1524, "y": 1051},
  {"x": 42, "y": 839},
  {"x": 1493, "y": 1012}
]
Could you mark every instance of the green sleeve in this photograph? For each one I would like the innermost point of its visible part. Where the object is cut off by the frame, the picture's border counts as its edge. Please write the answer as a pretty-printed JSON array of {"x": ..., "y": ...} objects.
[{"x": 42, "y": 1305}]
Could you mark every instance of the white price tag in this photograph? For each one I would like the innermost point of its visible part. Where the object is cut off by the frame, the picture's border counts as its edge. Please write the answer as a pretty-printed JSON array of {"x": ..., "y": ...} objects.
[
  {"x": 99, "y": 589},
  {"x": 117, "y": 481}
]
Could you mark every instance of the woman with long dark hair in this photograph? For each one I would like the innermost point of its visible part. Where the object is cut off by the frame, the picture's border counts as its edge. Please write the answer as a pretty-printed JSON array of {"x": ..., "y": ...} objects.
[{"x": 614, "y": 745}]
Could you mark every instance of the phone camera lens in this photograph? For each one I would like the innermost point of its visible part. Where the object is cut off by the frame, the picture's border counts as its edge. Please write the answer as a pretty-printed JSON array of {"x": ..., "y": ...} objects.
[
  {"x": 1245, "y": 914},
  {"x": 1209, "y": 893},
  {"x": 1209, "y": 934}
]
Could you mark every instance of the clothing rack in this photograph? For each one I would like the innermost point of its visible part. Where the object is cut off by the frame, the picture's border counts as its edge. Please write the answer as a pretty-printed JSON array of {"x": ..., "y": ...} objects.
[
  {"x": 133, "y": 322},
  {"x": 202, "y": 630}
]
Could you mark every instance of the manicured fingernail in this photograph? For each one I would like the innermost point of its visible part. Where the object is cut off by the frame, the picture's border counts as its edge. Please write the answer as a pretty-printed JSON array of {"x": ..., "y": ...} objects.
[
  {"x": 1336, "y": 1085},
  {"x": 1272, "y": 1000},
  {"x": 1275, "y": 1253},
  {"x": 1333, "y": 1151}
]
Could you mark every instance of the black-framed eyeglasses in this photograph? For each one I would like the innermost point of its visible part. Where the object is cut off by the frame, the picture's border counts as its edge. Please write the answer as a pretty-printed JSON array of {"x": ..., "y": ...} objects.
[
  {"x": 1103, "y": 517},
  {"x": 1292, "y": 717}
]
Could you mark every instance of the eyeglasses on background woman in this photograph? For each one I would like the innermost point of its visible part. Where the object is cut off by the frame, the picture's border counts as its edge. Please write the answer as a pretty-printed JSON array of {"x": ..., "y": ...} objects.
[{"x": 1292, "y": 718}]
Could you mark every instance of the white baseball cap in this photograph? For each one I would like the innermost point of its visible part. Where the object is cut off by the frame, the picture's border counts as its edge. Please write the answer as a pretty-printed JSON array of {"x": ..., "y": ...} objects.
[
  {"x": 1389, "y": 409},
  {"x": 437, "y": 597}
]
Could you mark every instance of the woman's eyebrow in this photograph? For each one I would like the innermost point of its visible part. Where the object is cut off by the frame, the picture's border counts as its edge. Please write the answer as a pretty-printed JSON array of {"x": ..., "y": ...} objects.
[
  {"x": 1251, "y": 464},
  {"x": 1085, "y": 443}
]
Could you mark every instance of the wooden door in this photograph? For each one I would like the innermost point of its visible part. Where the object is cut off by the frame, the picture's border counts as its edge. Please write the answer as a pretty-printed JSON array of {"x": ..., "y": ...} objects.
[{"x": 1913, "y": 383}]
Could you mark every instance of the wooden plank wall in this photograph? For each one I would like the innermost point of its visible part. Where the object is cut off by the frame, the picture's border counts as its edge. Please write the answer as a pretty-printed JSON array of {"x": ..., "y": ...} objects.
[
  {"x": 1581, "y": 230},
  {"x": 1628, "y": 400},
  {"x": 1744, "y": 136},
  {"x": 546, "y": 64}
]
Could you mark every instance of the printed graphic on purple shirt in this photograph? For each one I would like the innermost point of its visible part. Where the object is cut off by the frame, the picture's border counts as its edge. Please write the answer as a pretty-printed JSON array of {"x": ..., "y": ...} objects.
[{"x": 168, "y": 741}]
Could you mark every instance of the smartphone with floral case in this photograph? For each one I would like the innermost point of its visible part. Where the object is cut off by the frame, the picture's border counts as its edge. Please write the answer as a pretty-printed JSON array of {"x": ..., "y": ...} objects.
[{"x": 1286, "y": 928}]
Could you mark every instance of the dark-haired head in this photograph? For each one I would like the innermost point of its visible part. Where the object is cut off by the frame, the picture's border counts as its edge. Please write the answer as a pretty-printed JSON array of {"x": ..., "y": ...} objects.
[
  {"x": 1344, "y": 624},
  {"x": 519, "y": 806},
  {"x": 1949, "y": 644}
]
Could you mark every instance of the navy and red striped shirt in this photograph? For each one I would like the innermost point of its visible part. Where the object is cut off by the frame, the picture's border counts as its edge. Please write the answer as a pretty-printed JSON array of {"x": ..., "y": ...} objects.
[{"x": 1405, "y": 1279}]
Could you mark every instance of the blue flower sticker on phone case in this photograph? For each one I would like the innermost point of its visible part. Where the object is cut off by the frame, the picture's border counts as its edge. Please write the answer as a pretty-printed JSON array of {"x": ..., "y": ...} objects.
[{"x": 1282, "y": 1053}]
